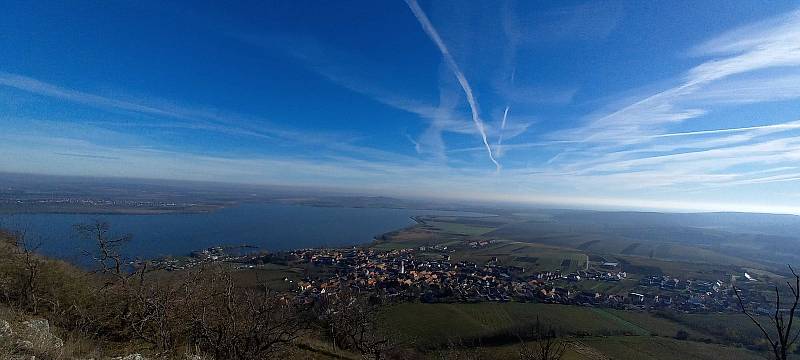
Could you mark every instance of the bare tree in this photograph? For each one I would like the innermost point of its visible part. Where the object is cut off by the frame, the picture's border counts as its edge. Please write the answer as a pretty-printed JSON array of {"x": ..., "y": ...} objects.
[
  {"x": 353, "y": 325},
  {"x": 158, "y": 313},
  {"x": 546, "y": 344},
  {"x": 785, "y": 336},
  {"x": 24, "y": 284},
  {"x": 457, "y": 350},
  {"x": 235, "y": 323},
  {"x": 107, "y": 255},
  {"x": 32, "y": 266},
  {"x": 119, "y": 301}
]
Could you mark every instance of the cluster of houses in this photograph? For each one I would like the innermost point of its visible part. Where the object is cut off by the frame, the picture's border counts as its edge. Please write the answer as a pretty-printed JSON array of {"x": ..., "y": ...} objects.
[
  {"x": 92, "y": 202},
  {"x": 427, "y": 274},
  {"x": 400, "y": 275},
  {"x": 663, "y": 291},
  {"x": 478, "y": 244}
]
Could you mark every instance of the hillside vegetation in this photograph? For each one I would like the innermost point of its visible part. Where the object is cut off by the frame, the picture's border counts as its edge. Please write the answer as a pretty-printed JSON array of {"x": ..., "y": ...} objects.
[{"x": 116, "y": 311}]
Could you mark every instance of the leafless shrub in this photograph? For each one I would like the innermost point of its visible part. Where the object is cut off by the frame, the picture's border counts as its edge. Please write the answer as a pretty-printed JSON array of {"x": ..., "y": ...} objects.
[
  {"x": 784, "y": 337},
  {"x": 457, "y": 350},
  {"x": 21, "y": 271},
  {"x": 124, "y": 302},
  {"x": 107, "y": 254},
  {"x": 234, "y": 323},
  {"x": 546, "y": 344},
  {"x": 351, "y": 323},
  {"x": 158, "y": 313}
]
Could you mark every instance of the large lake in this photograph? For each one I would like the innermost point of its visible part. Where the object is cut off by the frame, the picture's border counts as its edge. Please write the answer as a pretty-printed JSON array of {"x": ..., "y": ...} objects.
[{"x": 268, "y": 226}]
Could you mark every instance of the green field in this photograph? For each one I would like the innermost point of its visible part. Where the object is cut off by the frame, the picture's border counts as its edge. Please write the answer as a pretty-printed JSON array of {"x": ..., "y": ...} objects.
[
  {"x": 415, "y": 236},
  {"x": 459, "y": 228},
  {"x": 532, "y": 257},
  {"x": 599, "y": 234},
  {"x": 434, "y": 324},
  {"x": 607, "y": 287},
  {"x": 273, "y": 276},
  {"x": 732, "y": 328},
  {"x": 596, "y": 333},
  {"x": 681, "y": 269},
  {"x": 543, "y": 246},
  {"x": 659, "y": 348},
  {"x": 615, "y": 333},
  {"x": 634, "y": 348},
  {"x": 422, "y": 322}
]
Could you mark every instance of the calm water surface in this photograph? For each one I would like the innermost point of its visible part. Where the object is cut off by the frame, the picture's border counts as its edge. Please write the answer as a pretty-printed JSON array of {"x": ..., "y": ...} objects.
[{"x": 267, "y": 226}]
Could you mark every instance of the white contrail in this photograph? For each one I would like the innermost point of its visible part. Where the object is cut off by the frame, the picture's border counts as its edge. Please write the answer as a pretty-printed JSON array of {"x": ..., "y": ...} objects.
[
  {"x": 503, "y": 126},
  {"x": 788, "y": 126},
  {"x": 451, "y": 63}
]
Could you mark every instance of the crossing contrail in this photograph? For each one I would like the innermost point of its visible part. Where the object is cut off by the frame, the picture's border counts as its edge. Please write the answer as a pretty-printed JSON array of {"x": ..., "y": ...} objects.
[
  {"x": 451, "y": 63},
  {"x": 503, "y": 125}
]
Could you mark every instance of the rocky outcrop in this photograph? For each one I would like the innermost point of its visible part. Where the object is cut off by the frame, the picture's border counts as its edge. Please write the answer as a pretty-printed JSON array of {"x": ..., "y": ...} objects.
[
  {"x": 38, "y": 334},
  {"x": 29, "y": 338},
  {"x": 131, "y": 357},
  {"x": 5, "y": 330}
]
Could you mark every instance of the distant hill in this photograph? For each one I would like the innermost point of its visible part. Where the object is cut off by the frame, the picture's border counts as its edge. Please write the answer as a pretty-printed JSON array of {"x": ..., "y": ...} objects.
[
  {"x": 721, "y": 238},
  {"x": 772, "y": 224}
]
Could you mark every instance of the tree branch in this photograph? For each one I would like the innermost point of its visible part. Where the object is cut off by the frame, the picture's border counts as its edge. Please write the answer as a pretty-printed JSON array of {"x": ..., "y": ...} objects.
[{"x": 752, "y": 318}]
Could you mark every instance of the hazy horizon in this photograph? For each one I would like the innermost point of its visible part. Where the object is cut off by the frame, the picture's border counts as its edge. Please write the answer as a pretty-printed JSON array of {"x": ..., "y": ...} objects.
[{"x": 431, "y": 199}]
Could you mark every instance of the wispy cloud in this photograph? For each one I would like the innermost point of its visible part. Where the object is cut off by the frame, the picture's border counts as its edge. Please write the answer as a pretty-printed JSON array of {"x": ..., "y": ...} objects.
[
  {"x": 451, "y": 63},
  {"x": 766, "y": 45},
  {"x": 753, "y": 64},
  {"x": 346, "y": 172},
  {"x": 661, "y": 143},
  {"x": 26, "y": 151},
  {"x": 88, "y": 156},
  {"x": 191, "y": 118},
  {"x": 197, "y": 118},
  {"x": 344, "y": 69},
  {"x": 46, "y": 89}
]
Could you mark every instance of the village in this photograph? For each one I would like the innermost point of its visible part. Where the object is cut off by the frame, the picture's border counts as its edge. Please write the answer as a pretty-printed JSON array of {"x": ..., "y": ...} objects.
[
  {"x": 399, "y": 275},
  {"x": 427, "y": 274}
]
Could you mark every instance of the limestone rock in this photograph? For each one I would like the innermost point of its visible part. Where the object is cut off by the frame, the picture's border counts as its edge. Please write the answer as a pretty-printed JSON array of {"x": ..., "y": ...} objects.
[
  {"x": 24, "y": 345},
  {"x": 38, "y": 332},
  {"x": 22, "y": 357},
  {"x": 131, "y": 357},
  {"x": 5, "y": 329}
]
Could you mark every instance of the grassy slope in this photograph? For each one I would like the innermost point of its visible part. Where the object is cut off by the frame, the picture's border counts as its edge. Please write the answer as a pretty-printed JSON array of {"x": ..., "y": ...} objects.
[
  {"x": 432, "y": 324},
  {"x": 637, "y": 348},
  {"x": 657, "y": 348},
  {"x": 627, "y": 334}
]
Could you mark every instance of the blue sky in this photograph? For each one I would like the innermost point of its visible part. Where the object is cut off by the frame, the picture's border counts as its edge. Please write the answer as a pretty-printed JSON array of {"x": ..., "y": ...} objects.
[{"x": 678, "y": 105}]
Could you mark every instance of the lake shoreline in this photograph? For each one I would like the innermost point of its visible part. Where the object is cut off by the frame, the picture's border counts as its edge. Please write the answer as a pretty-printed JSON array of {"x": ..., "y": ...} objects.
[{"x": 270, "y": 226}]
